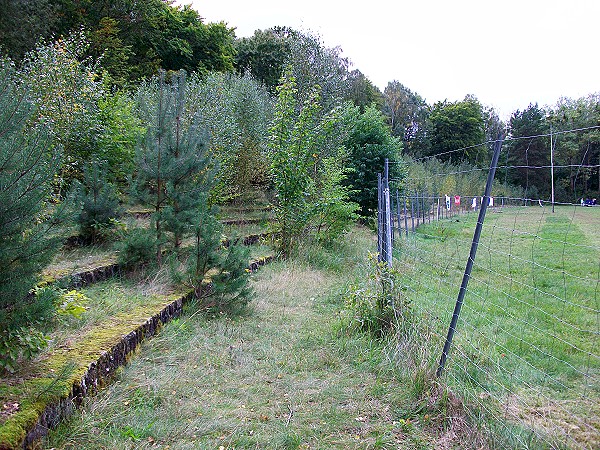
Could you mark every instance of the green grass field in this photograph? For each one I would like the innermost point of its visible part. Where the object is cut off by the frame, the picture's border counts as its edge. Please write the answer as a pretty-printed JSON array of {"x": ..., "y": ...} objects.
[{"x": 526, "y": 345}]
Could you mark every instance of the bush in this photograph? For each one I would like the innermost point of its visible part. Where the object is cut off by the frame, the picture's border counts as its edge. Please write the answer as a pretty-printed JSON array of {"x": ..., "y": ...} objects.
[
  {"x": 376, "y": 304},
  {"x": 138, "y": 248},
  {"x": 17, "y": 343},
  {"x": 26, "y": 341}
]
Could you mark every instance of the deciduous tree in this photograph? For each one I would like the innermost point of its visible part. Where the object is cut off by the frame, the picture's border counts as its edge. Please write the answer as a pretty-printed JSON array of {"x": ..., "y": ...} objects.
[
  {"x": 369, "y": 143},
  {"x": 308, "y": 184},
  {"x": 527, "y": 154},
  {"x": 407, "y": 115},
  {"x": 456, "y": 131}
]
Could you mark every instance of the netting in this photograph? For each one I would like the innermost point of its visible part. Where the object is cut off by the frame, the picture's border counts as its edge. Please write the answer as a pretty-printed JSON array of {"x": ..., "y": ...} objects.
[{"x": 525, "y": 348}]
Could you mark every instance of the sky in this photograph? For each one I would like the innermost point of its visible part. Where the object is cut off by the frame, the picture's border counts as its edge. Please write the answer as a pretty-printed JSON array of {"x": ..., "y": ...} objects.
[{"x": 507, "y": 53}]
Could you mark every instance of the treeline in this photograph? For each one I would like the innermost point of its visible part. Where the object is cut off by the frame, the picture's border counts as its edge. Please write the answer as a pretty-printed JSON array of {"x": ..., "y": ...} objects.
[
  {"x": 453, "y": 131},
  {"x": 133, "y": 39},
  {"x": 130, "y": 41}
]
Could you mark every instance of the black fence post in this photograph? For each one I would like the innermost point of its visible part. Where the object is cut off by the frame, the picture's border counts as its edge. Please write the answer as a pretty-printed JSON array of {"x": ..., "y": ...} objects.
[{"x": 472, "y": 254}]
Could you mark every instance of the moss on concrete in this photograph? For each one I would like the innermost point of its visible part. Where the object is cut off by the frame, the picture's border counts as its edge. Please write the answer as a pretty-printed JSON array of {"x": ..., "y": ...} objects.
[{"x": 67, "y": 375}]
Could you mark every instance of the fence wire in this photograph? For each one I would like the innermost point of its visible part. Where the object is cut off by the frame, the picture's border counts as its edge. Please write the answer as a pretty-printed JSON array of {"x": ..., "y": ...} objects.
[{"x": 525, "y": 352}]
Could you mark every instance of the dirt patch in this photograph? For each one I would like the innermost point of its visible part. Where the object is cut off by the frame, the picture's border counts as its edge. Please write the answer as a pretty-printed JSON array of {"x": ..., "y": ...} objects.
[{"x": 7, "y": 410}]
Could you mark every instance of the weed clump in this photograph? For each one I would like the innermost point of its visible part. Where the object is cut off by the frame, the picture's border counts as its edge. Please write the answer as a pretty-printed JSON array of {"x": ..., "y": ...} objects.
[{"x": 376, "y": 305}]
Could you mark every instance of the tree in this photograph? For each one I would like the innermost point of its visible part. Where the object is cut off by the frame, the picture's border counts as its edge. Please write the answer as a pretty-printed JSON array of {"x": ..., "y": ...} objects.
[
  {"x": 269, "y": 53},
  {"x": 66, "y": 91},
  {"x": 528, "y": 149},
  {"x": 457, "y": 130},
  {"x": 108, "y": 47},
  {"x": 369, "y": 143},
  {"x": 362, "y": 92},
  {"x": 23, "y": 23},
  {"x": 308, "y": 184},
  {"x": 226, "y": 268},
  {"x": 252, "y": 110},
  {"x": 236, "y": 110},
  {"x": 292, "y": 146},
  {"x": 407, "y": 115},
  {"x": 173, "y": 167},
  {"x": 264, "y": 54},
  {"x": 174, "y": 177},
  {"x": 132, "y": 39},
  {"x": 28, "y": 237},
  {"x": 579, "y": 150},
  {"x": 120, "y": 131},
  {"x": 312, "y": 64},
  {"x": 99, "y": 202},
  {"x": 184, "y": 42},
  {"x": 332, "y": 211}
]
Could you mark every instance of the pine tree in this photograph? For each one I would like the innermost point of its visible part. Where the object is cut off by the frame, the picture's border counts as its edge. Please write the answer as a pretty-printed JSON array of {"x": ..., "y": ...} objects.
[
  {"x": 175, "y": 175},
  {"x": 174, "y": 167},
  {"x": 99, "y": 201},
  {"x": 28, "y": 239},
  {"x": 227, "y": 268}
]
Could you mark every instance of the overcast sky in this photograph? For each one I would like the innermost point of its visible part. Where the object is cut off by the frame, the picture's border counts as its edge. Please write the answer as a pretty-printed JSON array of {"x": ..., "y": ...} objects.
[{"x": 507, "y": 53}]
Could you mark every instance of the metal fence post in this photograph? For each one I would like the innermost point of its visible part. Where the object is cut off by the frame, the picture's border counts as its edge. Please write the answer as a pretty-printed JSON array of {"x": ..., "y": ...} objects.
[
  {"x": 412, "y": 215},
  {"x": 398, "y": 214},
  {"x": 379, "y": 221},
  {"x": 472, "y": 254},
  {"x": 405, "y": 218},
  {"x": 388, "y": 221}
]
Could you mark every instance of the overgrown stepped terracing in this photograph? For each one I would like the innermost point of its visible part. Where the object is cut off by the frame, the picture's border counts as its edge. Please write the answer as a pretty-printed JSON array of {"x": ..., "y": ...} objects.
[{"x": 50, "y": 388}]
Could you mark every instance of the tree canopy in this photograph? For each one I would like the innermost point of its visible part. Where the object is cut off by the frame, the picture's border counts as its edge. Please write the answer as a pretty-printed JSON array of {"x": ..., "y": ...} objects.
[
  {"x": 264, "y": 54},
  {"x": 369, "y": 143},
  {"x": 133, "y": 39},
  {"x": 454, "y": 126},
  {"x": 407, "y": 115}
]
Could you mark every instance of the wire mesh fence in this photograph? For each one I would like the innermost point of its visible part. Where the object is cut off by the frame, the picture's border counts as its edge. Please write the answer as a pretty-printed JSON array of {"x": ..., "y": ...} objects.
[{"x": 524, "y": 348}]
